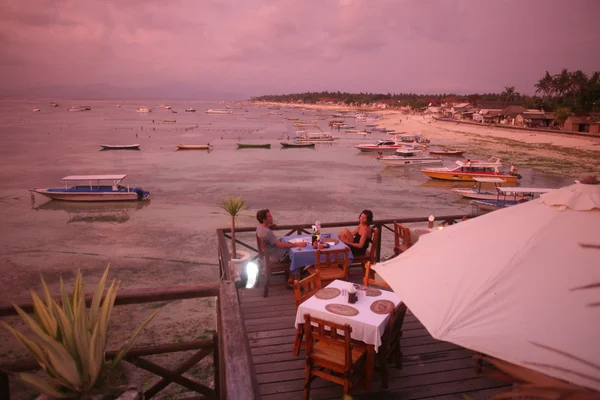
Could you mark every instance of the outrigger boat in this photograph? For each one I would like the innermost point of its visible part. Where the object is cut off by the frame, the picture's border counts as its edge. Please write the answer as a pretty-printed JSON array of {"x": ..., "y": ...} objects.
[
  {"x": 381, "y": 146},
  {"x": 507, "y": 197},
  {"x": 477, "y": 193},
  {"x": 120, "y": 146},
  {"x": 94, "y": 188},
  {"x": 253, "y": 145},
  {"x": 296, "y": 144},
  {"x": 315, "y": 138},
  {"x": 194, "y": 146},
  {"x": 408, "y": 157},
  {"x": 447, "y": 152},
  {"x": 468, "y": 169}
]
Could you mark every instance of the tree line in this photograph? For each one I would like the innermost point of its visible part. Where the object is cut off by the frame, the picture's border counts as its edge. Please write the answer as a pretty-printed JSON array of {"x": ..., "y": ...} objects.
[{"x": 565, "y": 91}]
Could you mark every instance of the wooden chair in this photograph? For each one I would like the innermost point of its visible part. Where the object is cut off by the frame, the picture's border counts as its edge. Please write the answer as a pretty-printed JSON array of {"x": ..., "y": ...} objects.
[
  {"x": 369, "y": 278},
  {"x": 271, "y": 267},
  {"x": 333, "y": 356},
  {"x": 402, "y": 240},
  {"x": 330, "y": 268},
  {"x": 303, "y": 290},
  {"x": 390, "y": 343},
  {"x": 369, "y": 256}
]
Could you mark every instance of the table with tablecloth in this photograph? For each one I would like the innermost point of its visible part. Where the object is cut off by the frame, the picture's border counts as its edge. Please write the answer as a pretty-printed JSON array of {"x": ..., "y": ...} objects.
[{"x": 304, "y": 256}]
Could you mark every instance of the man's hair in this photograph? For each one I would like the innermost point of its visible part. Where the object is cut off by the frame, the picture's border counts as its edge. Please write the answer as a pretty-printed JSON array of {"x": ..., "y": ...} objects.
[
  {"x": 369, "y": 215},
  {"x": 261, "y": 215}
]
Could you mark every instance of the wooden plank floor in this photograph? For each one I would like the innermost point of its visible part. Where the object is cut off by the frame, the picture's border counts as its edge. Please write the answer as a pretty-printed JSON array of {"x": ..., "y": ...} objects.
[{"x": 431, "y": 369}]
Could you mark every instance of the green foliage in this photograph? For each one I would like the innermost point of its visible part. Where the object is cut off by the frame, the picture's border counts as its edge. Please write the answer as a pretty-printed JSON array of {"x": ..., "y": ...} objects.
[
  {"x": 234, "y": 206},
  {"x": 562, "y": 113},
  {"x": 68, "y": 340}
]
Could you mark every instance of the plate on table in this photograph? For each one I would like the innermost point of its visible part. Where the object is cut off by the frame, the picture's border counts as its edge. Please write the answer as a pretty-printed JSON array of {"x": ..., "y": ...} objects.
[
  {"x": 296, "y": 240},
  {"x": 342, "y": 309},
  {"x": 331, "y": 241}
]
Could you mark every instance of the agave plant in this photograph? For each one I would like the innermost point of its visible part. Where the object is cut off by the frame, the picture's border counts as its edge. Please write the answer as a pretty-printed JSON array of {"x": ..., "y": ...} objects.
[
  {"x": 233, "y": 206},
  {"x": 68, "y": 340}
]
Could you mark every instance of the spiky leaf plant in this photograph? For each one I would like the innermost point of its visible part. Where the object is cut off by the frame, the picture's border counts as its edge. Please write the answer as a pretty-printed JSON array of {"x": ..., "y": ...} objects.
[
  {"x": 68, "y": 340},
  {"x": 234, "y": 206}
]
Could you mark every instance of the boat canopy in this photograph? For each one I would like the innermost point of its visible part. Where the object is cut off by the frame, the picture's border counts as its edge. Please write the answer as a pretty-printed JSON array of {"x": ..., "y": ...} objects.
[
  {"x": 94, "y": 177},
  {"x": 488, "y": 180},
  {"x": 511, "y": 190}
]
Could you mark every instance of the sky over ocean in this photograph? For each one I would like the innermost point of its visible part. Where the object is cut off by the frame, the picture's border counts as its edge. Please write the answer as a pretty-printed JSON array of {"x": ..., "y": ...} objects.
[{"x": 187, "y": 49}]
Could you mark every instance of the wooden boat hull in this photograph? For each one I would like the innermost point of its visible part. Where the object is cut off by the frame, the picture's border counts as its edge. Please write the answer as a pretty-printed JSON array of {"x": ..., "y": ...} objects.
[
  {"x": 475, "y": 194},
  {"x": 466, "y": 176},
  {"x": 292, "y": 144},
  {"x": 407, "y": 162},
  {"x": 120, "y": 146},
  {"x": 194, "y": 146},
  {"x": 385, "y": 149},
  {"x": 492, "y": 205},
  {"x": 253, "y": 145},
  {"x": 64, "y": 195},
  {"x": 446, "y": 153}
]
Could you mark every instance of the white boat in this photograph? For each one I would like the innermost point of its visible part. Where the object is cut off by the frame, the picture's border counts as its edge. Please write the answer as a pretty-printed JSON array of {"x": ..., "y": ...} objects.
[
  {"x": 407, "y": 157},
  {"x": 467, "y": 170},
  {"x": 76, "y": 108},
  {"x": 36, "y": 110},
  {"x": 315, "y": 137},
  {"x": 507, "y": 197},
  {"x": 94, "y": 188},
  {"x": 213, "y": 111},
  {"x": 409, "y": 138},
  {"x": 381, "y": 146},
  {"x": 477, "y": 193},
  {"x": 143, "y": 110},
  {"x": 53, "y": 104}
]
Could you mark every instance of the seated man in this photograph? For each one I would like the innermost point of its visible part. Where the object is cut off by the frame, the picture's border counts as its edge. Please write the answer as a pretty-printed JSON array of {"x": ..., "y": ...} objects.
[{"x": 276, "y": 247}]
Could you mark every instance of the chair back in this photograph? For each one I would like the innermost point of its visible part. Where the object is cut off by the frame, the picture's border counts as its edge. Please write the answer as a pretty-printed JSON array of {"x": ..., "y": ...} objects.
[
  {"x": 369, "y": 278},
  {"x": 374, "y": 244},
  {"x": 393, "y": 328},
  {"x": 306, "y": 287},
  {"x": 401, "y": 237},
  {"x": 328, "y": 333},
  {"x": 328, "y": 259}
]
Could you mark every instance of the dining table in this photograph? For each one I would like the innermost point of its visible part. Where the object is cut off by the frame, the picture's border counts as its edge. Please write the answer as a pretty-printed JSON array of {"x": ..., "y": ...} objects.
[
  {"x": 367, "y": 317},
  {"x": 301, "y": 257}
]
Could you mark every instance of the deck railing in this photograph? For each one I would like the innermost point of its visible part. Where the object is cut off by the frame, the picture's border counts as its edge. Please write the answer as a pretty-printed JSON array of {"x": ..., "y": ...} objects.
[{"x": 234, "y": 374}]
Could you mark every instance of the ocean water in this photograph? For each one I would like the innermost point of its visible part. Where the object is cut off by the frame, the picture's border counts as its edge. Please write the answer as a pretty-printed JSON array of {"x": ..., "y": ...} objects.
[{"x": 171, "y": 239}]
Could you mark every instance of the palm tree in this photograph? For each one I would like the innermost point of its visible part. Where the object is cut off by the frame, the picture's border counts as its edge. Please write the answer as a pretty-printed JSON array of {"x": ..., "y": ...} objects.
[
  {"x": 579, "y": 81},
  {"x": 562, "y": 83},
  {"x": 544, "y": 85},
  {"x": 510, "y": 94},
  {"x": 233, "y": 206}
]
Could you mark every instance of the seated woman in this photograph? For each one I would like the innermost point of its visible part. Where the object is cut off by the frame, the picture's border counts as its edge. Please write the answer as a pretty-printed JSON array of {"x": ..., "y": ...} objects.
[{"x": 359, "y": 239}]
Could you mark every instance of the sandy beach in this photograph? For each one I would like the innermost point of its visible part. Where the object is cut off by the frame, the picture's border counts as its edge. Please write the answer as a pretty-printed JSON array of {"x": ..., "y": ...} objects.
[{"x": 556, "y": 153}]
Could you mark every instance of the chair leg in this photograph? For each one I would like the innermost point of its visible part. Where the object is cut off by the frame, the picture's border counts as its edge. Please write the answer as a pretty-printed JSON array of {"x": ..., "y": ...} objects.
[
  {"x": 383, "y": 371},
  {"x": 298, "y": 339},
  {"x": 398, "y": 354},
  {"x": 307, "y": 369},
  {"x": 267, "y": 282}
]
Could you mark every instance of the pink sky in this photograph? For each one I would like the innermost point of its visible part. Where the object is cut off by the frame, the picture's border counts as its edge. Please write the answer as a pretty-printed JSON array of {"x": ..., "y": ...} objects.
[{"x": 213, "y": 49}]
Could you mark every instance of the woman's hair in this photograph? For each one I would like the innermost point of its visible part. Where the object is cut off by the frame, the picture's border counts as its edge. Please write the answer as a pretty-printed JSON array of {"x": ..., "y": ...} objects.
[
  {"x": 261, "y": 215},
  {"x": 369, "y": 215}
]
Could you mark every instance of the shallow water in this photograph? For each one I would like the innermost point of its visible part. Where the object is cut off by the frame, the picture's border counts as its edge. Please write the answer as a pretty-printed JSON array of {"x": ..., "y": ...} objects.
[{"x": 171, "y": 239}]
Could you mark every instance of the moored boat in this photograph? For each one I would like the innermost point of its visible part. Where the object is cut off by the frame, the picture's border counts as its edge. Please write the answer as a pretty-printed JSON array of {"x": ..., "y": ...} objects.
[
  {"x": 190, "y": 109},
  {"x": 194, "y": 146},
  {"x": 509, "y": 196},
  {"x": 213, "y": 111},
  {"x": 381, "y": 146},
  {"x": 53, "y": 104},
  {"x": 94, "y": 188},
  {"x": 253, "y": 145},
  {"x": 477, "y": 192},
  {"x": 407, "y": 157},
  {"x": 75, "y": 108},
  {"x": 296, "y": 144},
  {"x": 36, "y": 110},
  {"x": 143, "y": 110},
  {"x": 447, "y": 152},
  {"x": 120, "y": 146},
  {"x": 315, "y": 137},
  {"x": 468, "y": 169}
]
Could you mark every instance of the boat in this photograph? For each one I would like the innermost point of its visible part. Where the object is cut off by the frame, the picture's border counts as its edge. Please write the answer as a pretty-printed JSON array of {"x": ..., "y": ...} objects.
[
  {"x": 466, "y": 170},
  {"x": 53, "y": 104},
  {"x": 477, "y": 193},
  {"x": 507, "y": 197},
  {"x": 36, "y": 110},
  {"x": 381, "y": 146},
  {"x": 143, "y": 110},
  {"x": 409, "y": 138},
  {"x": 169, "y": 121},
  {"x": 76, "y": 108},
  {"x": 190, "y": 109},
  {"x": 214, "y": 111},
  {"x": 194, "y": 146},
  {"x": 447, "y": 152},
  {"x": 94, "y": 188},
  {"x": 315, "y": 137},
  {"x": 120, "y": 146},
  {"x": 296, "y": 144},
  {"x": 253, "y": 145},
  {"x": 346, "y": 126},
  {"x": 407, "y": 157}
]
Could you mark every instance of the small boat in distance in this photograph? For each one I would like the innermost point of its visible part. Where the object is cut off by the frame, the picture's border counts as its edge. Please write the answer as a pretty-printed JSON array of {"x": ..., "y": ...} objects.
[
  {"x": 36, "y": 110},
  {"x": 296, "y": 144},
  {"x": 143, "y": 110},
  {"x": 212, "y": 111},
  {"x": 314, "y": 137},
  {"x": 53, "y": 104},
  {"x": 76, "y": 108},
  {"x": 253, "y": 145},
  {"x": 380, "y": 146},
  {"x": 94, "y": 188},
  {"x": 194, "y": 146},
  {"x": 447, "y": 152},
  {"x": 120, "y": 146},
  {"x": 468, "y": 169},
  {"x": 190, "y": 109}
]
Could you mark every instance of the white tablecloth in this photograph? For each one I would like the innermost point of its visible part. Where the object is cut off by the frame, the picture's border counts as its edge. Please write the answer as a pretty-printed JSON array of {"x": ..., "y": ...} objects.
[{"x": 366, "y": 326}]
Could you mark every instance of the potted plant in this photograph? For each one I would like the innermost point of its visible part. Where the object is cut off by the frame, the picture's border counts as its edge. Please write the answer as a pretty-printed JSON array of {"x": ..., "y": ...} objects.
[
  {"x": 68, "y": 341},
  {"x": 234, "y": 206}
]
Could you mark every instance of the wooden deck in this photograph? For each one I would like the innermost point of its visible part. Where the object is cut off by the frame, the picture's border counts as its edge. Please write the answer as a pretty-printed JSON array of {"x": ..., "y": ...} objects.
[{"x": 432, "y": 369}]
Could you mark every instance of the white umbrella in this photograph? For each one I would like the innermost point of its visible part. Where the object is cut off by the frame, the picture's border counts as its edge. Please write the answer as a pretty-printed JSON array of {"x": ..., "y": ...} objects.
[{"x": 512, "y": 284}]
